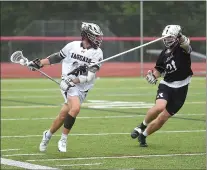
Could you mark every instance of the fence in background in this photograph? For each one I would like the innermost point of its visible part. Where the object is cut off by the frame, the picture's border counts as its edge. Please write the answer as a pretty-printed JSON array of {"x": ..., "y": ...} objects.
[{"x": 128, "y": 64}]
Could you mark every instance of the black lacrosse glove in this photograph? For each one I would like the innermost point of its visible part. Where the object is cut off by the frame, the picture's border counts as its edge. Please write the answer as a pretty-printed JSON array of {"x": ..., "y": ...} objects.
[
  {"x": 35, "y": 64},
  {"x": 80, "y": 70}
]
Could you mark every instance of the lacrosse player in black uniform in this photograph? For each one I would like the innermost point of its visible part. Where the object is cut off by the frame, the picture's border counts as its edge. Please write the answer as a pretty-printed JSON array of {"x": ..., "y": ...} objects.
[{"x": 174, "y": 64}]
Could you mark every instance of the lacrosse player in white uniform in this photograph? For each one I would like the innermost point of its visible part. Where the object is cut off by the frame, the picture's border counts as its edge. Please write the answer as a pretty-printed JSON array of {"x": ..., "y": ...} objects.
[{"x": 76, "y": 56}]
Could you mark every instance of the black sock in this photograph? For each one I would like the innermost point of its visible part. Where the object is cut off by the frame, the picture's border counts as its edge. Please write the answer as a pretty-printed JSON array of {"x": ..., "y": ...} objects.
[{"x": 142, "y": 126}]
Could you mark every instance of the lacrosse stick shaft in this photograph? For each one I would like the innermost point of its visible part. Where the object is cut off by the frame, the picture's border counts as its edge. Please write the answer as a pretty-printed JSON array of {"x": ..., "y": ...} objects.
[
  {"x": 112, "y": 57},
  {"x": 17, "y": 56},
  {"x": 135, "y": 48},
  {"x": 46, "y": 75}
]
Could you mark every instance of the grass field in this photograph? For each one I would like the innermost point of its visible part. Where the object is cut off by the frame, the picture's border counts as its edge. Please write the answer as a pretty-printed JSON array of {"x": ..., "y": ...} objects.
[{"x": 100, "y": 138}]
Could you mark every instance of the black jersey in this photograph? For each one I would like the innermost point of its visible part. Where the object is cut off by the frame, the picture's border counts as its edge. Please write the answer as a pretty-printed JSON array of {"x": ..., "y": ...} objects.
[{"x": 175, "y": 65}]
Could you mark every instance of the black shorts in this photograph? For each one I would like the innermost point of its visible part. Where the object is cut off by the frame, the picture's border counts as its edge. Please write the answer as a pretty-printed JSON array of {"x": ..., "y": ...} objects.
[{"x": 175, "y": 97}]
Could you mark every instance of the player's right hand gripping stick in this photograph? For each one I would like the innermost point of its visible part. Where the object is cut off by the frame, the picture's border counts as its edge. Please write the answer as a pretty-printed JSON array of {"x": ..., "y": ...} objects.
[{"x": 35, "y": 64}]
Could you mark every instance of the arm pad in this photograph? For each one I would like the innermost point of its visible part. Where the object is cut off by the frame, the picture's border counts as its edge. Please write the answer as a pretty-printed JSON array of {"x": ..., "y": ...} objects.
[
  {"x": 54, "y": 58},
  {"x": 185, "y": 43},
  {"x": 87, "y": 78}
]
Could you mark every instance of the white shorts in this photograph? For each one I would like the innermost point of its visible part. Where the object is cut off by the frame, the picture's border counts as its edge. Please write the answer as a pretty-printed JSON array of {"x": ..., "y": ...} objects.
[{"x": 74, "y": 91}]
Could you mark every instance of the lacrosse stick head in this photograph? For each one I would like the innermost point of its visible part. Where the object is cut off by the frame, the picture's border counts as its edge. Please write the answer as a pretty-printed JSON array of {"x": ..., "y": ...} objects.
[{"x": 17, "y": 57}]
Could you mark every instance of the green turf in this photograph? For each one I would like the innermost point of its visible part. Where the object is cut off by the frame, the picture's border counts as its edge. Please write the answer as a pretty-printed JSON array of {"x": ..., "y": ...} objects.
[{"x": 96, "y": 135}]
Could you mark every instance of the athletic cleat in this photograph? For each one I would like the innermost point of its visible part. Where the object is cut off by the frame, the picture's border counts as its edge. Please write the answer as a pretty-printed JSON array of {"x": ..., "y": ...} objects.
[
  {"x": 44, "y": 142},
  {"x": 142, "y": 140},
  {"x": 62, "y": 145},
  {"x": 135, "y": 133}
]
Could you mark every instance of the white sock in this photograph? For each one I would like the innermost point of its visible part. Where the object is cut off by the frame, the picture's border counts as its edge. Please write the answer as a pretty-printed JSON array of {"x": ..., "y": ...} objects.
[
  {"x": 145, "y": 133},
  {"x": 48, "y": 134},
  {"x": 145, "y": 123},
  {"x": 64, "y": 136}
]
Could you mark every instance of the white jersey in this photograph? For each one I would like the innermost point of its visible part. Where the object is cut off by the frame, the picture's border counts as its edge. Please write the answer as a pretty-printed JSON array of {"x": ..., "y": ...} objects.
[{"x": 74, "y": 56}]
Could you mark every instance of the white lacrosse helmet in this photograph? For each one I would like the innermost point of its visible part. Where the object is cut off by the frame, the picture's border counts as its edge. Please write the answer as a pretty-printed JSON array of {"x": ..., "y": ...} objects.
[
  {"x": 173, "y": 32},
  {"x": 93, "y": 33}
]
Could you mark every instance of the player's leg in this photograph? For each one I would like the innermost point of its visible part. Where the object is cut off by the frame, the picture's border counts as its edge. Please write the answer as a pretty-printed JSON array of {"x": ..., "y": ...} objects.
[
  {"x": 160, "y": 104},
  {"x": 151, "y": 115},
  {"x": 155, "y": 125},
  {"x": 75, "y": 98},
  {"x": 59, "y": 120},
  {"x": 175, "y": 103},
  {"x": 69, "y": 121},
  {"x": 57, "y": 123}
]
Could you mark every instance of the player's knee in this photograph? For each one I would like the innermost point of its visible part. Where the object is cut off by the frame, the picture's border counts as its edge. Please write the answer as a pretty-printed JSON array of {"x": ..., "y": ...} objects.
[
  {"x": 160, "y": 105},
  {"x": 159, "y": 108},
  {"x": 63, "y": 113},
  {"x": 75, "y": 110},
  {"x": 62, "y": 117}
]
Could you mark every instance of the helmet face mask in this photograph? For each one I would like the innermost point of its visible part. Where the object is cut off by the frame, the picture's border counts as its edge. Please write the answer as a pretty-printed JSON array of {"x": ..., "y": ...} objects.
[
  {"x": 93, "y": 33},
  {"x": 170, "y": 41}
]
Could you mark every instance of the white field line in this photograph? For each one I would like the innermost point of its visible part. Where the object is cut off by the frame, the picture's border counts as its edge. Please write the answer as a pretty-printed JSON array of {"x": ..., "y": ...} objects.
[
  {"x": 29, "y": 80},
  {"x": 24, "y": 154},
  {"x": 57, "y": 89},
  {"x": 94, "y": 89},
  {"x": 79, "y": 164},
  {"x": 28, "y": 107},
  {"x": 28, "y": 90},
  {"x": 24, "y": 165},
  {"x": 97, "y": 117},
  {"x": 199, "y": 102},
  {"x": 86, "y": 105},
  {"x": 115, "y": 94},
  {"x": 142, "y": 94},
  {"x": 92, "y": 107},
  {"x": 106, "y": 134},
  {"x": 100, "y": 78},
  {"x": 5, "y": 150},
  {"x": 118, "y": 157},
  {"x": 31, "y": 97}
]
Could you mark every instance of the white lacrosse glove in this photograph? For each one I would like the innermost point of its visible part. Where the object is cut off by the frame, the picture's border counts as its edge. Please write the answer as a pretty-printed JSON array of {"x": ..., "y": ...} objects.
[
  {"x": 151, "y": 77},
  {"x": 66, "y": 83}
]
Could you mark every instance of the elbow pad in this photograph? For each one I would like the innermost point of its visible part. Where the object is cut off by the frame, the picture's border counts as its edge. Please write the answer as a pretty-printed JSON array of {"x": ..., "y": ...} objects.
[
  {"x": 185, "y": 41},
  {"x": 55, "y": 58},
  {"x": 87, "y": 78},
  {"x": 185, "y": 44}
]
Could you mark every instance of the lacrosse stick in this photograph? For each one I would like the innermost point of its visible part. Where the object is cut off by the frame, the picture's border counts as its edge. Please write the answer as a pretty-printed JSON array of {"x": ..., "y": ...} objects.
[
  {"x": 132, "y": 49},
  {"x": 18, "y": 57},
  {"x": 135, "y": 48}
]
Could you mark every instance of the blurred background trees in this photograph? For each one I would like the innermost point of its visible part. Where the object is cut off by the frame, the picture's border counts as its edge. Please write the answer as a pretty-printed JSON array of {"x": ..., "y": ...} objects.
[
  {"x": 122, "y": 17},
  {"x": 54, "y": 18}
]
